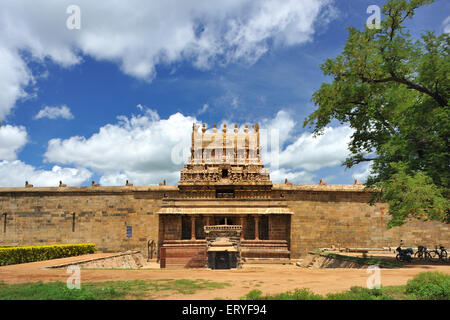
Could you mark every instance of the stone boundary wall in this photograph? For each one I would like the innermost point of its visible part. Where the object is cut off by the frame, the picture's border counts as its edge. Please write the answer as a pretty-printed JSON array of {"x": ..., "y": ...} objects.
[
  {"x": 99, "y": 215},
  {"x": 123, "y": 260},
  {"x": 347, "y": 223},
  {"x": 320, "y": 261}
]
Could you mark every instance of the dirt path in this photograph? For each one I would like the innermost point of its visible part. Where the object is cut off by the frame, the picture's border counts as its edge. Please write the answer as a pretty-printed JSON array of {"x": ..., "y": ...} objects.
[{"x": 269, "y": 279}]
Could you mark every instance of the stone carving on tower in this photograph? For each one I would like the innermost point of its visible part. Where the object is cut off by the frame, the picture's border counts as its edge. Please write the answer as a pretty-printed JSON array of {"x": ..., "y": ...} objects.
[{"x": 226, "y": 158}]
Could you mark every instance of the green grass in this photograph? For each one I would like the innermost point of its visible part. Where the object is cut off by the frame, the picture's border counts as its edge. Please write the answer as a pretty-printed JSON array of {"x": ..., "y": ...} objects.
[
  {"x": 371, "y": 261},
  {"x": 424, "y": 286},
  {"x": 397, "y": 293},
  {"x": 297, "y": 294},
  {"x": 354, "y": 293},
  {"x": 110, "y": 290},
  {"x": 360, "y": 293}
]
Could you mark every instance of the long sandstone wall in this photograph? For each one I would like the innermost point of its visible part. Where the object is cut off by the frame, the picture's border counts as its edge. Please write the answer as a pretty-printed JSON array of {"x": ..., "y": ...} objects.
[
  {"x": 322, "y": 216},
  {"x": 345, "y": 219},
  {"x": 79, "y": 215}
]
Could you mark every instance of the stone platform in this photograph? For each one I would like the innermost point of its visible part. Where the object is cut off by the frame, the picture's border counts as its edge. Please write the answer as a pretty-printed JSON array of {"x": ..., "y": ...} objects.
[{"x": 122, "y": 260}]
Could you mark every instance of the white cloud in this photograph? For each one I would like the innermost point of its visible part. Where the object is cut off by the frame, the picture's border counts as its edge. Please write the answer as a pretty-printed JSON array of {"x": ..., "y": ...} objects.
[
  {"x": 146, "y": 149},
  {"x": 138, "y": 34},
  {"x": 297, "y": 177},
  {"x": 54, "y": 113},
  {"x": 283, "y": 124},
  {"x": 14, "y": 76},
  {"x": 139, "y": 178},
  {"x": 446, "y": 25},
  {"x": 363, "y": 172},
  {"x": 15, "y": 173},
  {"x": 203, "y": 109},
  {"x": 12, "y": 139},
  {"x": 138, "y": 149},
  {"x": 313, "y": 153},
  {"x": 297, "y": 157}
]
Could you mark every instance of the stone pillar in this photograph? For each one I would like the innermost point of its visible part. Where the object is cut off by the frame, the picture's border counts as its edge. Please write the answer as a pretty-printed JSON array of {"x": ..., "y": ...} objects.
[
  {"x": 256, "y": 227},
  {"x": 193, "y": 227},
  {"x": 242, "y": 228},
  {"x": 207, "y": 221}
]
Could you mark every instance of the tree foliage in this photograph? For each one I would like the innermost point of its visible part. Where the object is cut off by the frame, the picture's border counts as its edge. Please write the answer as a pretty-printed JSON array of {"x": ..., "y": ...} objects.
[{"x": 393, "y": 90}]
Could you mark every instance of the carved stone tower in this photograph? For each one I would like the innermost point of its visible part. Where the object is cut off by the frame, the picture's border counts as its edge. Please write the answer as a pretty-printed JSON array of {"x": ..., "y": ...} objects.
[{"x": 225, "y": 163}]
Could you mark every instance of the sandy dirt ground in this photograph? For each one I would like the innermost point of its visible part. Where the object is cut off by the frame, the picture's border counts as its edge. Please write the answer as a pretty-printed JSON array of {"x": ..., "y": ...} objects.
[{"x": 270, "y": 279}]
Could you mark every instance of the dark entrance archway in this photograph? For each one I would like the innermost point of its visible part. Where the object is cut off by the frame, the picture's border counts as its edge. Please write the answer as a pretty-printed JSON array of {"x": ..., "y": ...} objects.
[{"x": 222, "y": 260}]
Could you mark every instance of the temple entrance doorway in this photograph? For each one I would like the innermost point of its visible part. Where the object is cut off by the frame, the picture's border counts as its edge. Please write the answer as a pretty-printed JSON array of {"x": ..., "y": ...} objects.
[{"x": 222, "y": 260}]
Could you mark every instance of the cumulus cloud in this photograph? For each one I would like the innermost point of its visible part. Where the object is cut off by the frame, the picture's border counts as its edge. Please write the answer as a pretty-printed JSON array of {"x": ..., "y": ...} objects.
[
  {"x": 296, "y": 157},
  {"x": 142, "y": 148},
  {"x": 283, "y": 123},
  {"x": 146, "y": 149},
  {"x": 119, "y": 178},
  {"x": 313, "y": 153},
  {"x": 363, "y": 172},
  {"x": 54, "y": 113},
  {"x": 446, "y": 25},
  {"x": 297, "y": 177},
  {"x": 12, "y": 139},
  {"x": 14, "y": 76},
  {"x": 138, "y": 35},
  {"x": 15, "y": 173}
]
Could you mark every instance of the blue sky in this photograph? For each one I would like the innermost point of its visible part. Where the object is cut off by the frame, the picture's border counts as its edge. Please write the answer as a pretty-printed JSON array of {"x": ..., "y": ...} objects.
[{"x": 246, "y": 67}]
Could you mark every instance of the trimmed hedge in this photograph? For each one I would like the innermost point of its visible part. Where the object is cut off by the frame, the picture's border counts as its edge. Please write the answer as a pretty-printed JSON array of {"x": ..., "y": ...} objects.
[{"x": 23, "y": 254}]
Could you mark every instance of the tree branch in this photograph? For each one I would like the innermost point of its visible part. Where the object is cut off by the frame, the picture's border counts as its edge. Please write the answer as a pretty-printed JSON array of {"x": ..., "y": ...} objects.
[
  {"x": 411, "y": 85},
  {"x": 352, "y": 162},
  {"x": 441, "y": 101}
]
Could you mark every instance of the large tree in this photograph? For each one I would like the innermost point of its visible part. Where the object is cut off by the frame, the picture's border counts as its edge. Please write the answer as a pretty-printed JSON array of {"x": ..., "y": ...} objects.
[{"x": 394, "y": 90}]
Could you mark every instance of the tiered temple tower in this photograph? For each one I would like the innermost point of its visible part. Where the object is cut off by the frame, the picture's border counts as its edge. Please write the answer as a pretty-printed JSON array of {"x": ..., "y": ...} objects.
[{"x": 227, "y": 163}]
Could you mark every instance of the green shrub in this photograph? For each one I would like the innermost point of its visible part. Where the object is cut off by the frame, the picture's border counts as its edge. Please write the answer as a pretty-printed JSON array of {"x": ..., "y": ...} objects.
[
  {"x": 430, "y": 286},
  {"x": 297, "y": 294},
  {"x": 359, "y": 293},
  {"x": 23, "y": 254},
  {"x": 253, "y": 295},
  {"x": 355, "y": 293}
]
